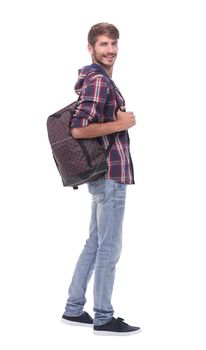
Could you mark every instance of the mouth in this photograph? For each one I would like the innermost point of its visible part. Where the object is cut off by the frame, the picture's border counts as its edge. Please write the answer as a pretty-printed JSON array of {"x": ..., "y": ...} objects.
[{"x": 109, "y": 57}]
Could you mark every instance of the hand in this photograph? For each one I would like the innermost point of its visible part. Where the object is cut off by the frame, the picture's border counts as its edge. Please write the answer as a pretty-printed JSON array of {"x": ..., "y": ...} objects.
[{"x": 125, "y": 120}]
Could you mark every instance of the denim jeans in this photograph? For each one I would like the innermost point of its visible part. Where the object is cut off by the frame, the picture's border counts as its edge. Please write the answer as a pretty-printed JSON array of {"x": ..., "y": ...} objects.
[{"x": 101, "y": 251}]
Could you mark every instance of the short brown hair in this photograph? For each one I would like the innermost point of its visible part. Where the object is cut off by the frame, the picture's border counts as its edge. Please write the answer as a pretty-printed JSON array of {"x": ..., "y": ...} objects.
[{"x": 102, "y": 29}]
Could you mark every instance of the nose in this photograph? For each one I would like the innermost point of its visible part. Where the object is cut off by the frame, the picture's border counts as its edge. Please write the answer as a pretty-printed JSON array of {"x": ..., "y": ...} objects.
[{"x": 110, "y": 48}]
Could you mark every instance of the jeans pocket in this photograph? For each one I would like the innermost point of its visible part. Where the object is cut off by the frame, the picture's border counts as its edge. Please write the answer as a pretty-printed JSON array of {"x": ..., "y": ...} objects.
[{"x": 97, "y": 190}]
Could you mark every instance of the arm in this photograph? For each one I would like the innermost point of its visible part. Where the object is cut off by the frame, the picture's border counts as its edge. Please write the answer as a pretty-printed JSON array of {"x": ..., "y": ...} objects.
[
  {"x": 124, "y": 121},
  {"x": 85, "y": 122}
]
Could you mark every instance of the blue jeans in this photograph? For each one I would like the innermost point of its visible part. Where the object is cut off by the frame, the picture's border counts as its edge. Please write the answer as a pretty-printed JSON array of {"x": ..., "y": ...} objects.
[{"x": 101, "y": 251}]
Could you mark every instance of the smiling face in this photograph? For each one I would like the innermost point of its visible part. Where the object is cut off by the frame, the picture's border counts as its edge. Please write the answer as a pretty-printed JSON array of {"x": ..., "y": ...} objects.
[{"x": 104, "y": 52}]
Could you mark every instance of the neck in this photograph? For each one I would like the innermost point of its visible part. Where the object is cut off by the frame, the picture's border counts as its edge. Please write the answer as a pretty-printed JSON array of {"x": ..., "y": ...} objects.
[{"x": 108, "y": 70}]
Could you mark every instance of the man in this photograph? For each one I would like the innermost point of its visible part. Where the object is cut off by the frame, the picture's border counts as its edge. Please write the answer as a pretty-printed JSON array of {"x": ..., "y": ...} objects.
[{"x": 101, "y": 113}]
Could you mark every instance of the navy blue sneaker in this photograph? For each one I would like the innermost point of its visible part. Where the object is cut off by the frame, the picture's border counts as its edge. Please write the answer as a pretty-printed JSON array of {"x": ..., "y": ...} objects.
[
  {"x": 116, "y": 327},
  {"x": 84, "y": 320}
]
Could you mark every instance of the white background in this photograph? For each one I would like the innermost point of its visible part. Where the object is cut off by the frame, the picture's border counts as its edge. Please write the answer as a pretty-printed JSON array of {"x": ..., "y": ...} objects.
[{"x": 160, "y": 283}]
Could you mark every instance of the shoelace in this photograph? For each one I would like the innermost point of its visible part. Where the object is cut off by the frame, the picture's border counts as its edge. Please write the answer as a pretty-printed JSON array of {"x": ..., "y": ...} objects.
[{"x": 121, "y": 322}]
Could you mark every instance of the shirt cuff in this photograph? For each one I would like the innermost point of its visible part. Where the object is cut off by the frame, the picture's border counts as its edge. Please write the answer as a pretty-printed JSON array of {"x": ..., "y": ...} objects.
[{"x": 80, "y": 122}]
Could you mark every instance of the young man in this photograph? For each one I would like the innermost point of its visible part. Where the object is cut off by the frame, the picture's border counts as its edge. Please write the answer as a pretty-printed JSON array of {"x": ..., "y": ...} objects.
[{"x": 101, "y": 113}]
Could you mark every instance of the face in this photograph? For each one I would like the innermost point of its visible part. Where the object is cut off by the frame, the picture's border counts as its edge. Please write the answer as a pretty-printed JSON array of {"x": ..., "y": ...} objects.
[{"x": 104, "y": 51}]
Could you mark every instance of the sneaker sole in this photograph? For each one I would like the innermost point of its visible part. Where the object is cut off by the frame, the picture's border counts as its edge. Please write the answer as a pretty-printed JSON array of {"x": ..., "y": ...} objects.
[
  {"x": 102, "y": 333},
  {"x": 74, "y": 323}
]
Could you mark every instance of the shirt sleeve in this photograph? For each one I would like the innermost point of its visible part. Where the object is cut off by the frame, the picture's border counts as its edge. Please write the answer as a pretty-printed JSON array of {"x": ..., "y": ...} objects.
[{"x": 92, "y": 102}]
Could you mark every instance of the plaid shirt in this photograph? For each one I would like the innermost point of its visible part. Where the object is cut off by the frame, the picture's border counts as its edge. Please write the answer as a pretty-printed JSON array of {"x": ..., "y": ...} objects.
[{"x": 99, "y": 100}]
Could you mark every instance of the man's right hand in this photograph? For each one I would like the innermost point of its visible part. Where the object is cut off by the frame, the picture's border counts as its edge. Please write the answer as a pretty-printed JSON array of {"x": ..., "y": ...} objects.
[{"x": 125, "y": 120}]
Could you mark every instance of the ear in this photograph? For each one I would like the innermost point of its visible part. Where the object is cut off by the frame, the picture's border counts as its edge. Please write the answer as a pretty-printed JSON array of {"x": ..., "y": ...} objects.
[{"x": 90, "y": 49}]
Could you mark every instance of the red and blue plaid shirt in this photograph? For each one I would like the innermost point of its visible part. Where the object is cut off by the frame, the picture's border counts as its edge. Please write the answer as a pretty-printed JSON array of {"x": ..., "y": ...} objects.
[{"x": 99, "y": 100}]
